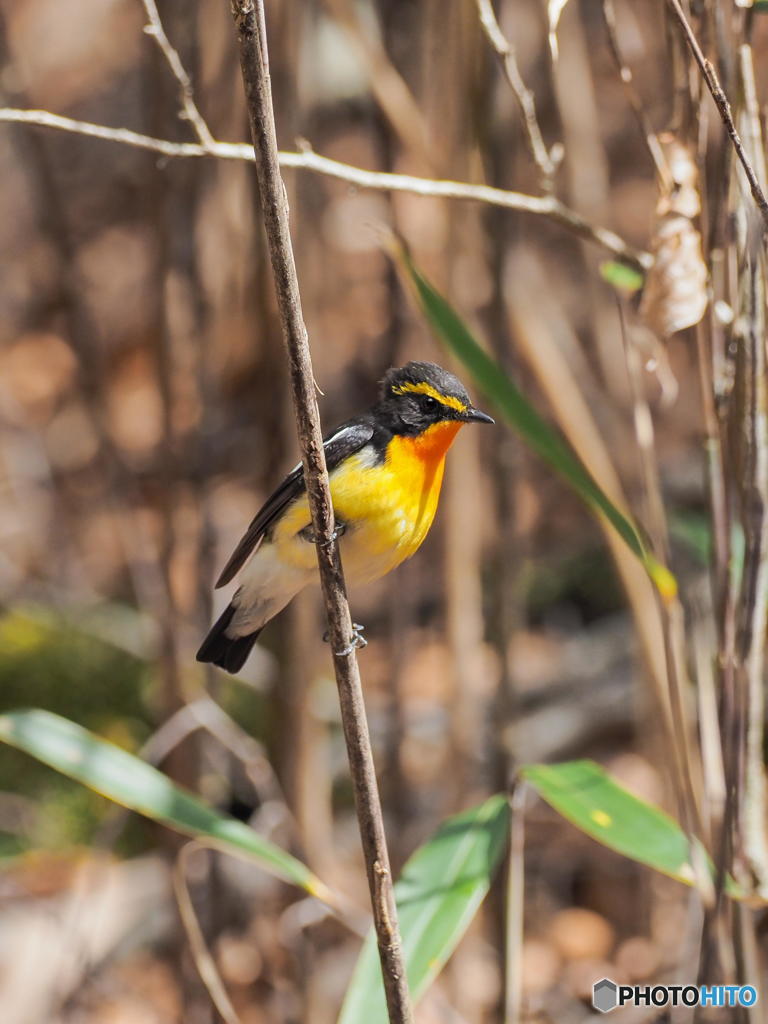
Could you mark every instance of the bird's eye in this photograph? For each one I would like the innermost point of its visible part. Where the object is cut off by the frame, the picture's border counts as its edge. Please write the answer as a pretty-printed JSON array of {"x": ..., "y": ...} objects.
[{"x": 429, "y": 404}]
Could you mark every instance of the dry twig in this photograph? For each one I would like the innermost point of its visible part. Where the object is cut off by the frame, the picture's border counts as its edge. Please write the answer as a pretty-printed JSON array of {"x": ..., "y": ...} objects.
[
  {"x": 252, "y": 40},
  {"x": 546, "y": 160},
  {"x": 724, "y": 108},
  {"x": 544, "y": 206},
  {"x": 189, "y": 110}
]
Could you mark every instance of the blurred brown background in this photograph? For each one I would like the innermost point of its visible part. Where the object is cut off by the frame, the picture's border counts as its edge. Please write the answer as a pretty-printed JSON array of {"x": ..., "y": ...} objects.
[{"x": 144, "y": 415}]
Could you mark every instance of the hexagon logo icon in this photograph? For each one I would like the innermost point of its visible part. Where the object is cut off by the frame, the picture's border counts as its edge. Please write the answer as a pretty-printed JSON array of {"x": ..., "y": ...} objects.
[{"x": 604, "y": 995}]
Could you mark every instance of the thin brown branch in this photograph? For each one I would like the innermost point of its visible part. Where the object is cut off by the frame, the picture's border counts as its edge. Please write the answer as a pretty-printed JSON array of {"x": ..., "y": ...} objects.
[
  {"x": 189, "y": 111},
  {"x": 307, "y": 160},
  {"x": 724, "y": 108},
  {"x": 252, "y": 43},
  {"x": 505, "y": 52}
]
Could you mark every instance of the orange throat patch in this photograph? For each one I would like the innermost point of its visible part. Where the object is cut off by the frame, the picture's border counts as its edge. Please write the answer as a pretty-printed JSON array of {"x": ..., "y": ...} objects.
[
  {"x": 416, "y": 471},
  {"x": 431, "y": 446},
  {"x": 417, "y": 464}
]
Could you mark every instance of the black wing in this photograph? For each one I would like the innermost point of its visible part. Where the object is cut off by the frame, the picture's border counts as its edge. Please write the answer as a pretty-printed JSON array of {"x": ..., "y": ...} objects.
[{"x": 345, "y": 441}]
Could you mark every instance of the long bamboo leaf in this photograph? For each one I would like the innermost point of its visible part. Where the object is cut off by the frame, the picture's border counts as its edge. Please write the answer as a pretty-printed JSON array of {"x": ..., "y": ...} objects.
[
  {"x": 441, "y": 887},
  {"x": 586, "y": 795},
  {"x": 522, "y": 416},
  {"x": 131, "y": 782}
]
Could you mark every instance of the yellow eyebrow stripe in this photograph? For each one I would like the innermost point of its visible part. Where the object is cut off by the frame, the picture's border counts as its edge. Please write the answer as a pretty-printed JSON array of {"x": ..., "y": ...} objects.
[{"x": 426, "y": 389}]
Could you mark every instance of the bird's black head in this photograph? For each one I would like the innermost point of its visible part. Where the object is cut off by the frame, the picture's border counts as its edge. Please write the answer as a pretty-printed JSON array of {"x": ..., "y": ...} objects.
[{"x": 418, "y": 395}]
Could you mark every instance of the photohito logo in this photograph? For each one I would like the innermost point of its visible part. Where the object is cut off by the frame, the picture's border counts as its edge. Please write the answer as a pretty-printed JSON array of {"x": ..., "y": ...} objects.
[{"x": 607, "y": 995}]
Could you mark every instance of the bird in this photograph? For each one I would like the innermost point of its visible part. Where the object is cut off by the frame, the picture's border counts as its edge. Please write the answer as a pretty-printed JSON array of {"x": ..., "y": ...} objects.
[{"x": 385, "y": 469}]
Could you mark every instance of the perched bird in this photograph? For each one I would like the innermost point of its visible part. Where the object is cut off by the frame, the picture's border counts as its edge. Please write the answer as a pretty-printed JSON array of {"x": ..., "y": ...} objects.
[{"x": 385, "y": 468}]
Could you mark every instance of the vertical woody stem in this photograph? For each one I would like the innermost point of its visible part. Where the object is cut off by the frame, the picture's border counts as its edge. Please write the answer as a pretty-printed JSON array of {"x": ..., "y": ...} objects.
[{"x": 251, "y": 33}]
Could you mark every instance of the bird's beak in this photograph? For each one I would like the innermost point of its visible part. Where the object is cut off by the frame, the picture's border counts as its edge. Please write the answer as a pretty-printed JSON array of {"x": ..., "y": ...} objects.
[{"x": 475, "y": 416}]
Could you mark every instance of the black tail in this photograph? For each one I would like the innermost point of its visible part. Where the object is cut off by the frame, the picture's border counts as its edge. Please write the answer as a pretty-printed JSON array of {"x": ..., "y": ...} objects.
[{"x": 228, "y": 652}]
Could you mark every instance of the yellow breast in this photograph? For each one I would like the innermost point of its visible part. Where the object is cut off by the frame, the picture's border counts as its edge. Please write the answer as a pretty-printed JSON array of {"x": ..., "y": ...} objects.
[{"x": 387, "y": 508}]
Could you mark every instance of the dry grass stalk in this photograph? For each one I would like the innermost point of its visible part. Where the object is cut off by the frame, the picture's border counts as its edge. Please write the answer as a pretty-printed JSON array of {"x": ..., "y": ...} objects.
[
  {"x": 254, "y": 63},
  {"x": 546, "y": 206},
  {"x": 723, "y": 106},
  {"x": 204, "y": 962}
]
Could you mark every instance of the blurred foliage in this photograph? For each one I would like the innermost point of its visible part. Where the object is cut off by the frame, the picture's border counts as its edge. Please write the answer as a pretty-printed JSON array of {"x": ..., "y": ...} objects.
[
  {"x": 131, "y": 782},
  {"x": 581, "y": 583},
  {"x": 693, "y": 532},
  {"x": 47, "y": 662}
]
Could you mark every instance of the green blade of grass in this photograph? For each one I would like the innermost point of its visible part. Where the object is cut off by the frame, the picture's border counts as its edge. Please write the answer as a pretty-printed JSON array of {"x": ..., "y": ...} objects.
[
  {"x": 524, "y": 419},
  {"x": 131, "y": 782},
  {"x": 590, "y": 799},
  {"x": 441, "y": 887},
  {"x": 587, "y": 796}
]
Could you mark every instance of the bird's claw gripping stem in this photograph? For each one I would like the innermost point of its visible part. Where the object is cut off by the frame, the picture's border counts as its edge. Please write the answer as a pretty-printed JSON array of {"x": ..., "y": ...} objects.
[
  {"x": 308, "y": 533},
  {"x": 339, "y": 530},
  {"x": 357, "y": 641}
]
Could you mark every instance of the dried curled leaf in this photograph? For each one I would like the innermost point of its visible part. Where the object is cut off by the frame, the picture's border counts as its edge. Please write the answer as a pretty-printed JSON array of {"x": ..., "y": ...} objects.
[{"x": 675, "y": 295}]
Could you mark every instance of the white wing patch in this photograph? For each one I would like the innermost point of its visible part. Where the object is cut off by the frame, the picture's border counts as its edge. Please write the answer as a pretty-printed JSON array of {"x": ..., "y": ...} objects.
[{"x": 350, "y": 431}]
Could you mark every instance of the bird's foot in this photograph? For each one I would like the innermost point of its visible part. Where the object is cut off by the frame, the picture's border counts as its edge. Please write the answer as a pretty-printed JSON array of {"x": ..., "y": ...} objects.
[
  {"x": 308, "y": 533},
  {"x": 339, "y": 530},
  {"x": 358, "y": 641}
]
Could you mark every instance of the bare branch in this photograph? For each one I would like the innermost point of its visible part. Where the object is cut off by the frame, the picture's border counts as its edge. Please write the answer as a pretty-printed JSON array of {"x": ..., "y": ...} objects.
[
  {"x": 46, "y": 119},
  {"x": 252, "y": 39},
  {"x": 547, "y": 206},
  {"x": 544, "y": 206},
  {"x": 505, "y": 52},
  {"x": 724, "y": 108},
  {"x": 189, "y": 107}
]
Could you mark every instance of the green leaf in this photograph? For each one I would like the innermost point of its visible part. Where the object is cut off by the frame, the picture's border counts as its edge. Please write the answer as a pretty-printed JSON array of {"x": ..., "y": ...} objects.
[
  {"x": 523, "y": 418},
  {"x": 587, "y": 796},
  {"x": 621, "y": 276},
  {"x": 134, "y": 784},
  {"x": 441, "y": 887}
]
